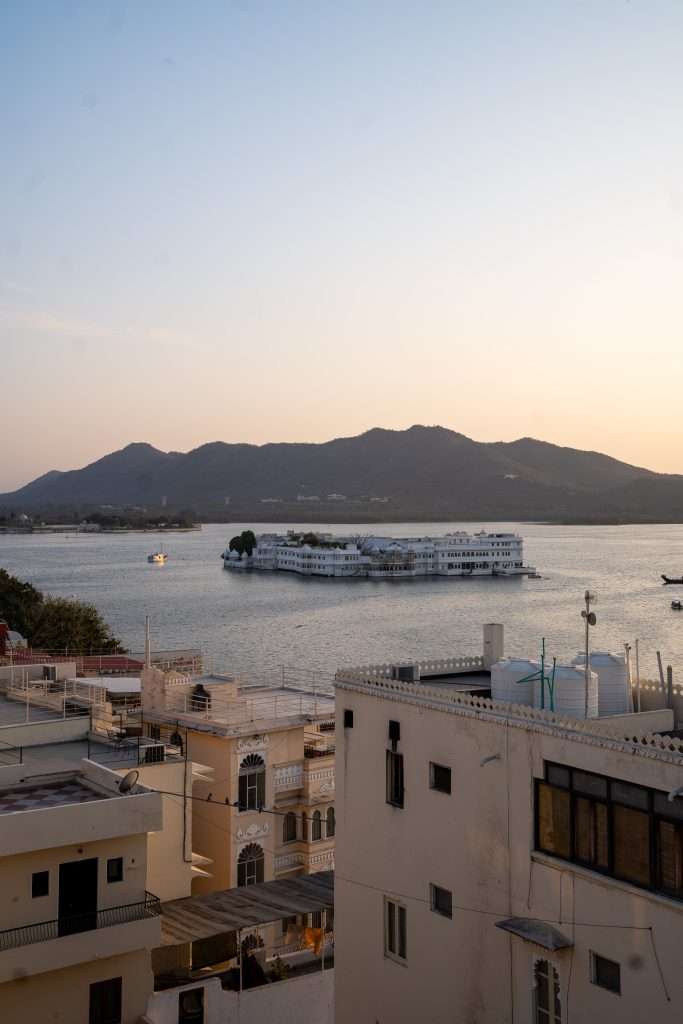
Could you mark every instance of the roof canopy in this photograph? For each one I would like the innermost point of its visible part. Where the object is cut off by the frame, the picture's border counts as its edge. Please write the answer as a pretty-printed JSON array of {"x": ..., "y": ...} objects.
[{"x": 200, "y": 917}]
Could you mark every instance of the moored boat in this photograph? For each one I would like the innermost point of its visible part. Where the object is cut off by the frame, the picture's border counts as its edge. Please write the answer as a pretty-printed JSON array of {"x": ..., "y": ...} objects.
[
  {"x": 677, "y": 606},
  {"x": 673, "y": 579},
  {"x": 157, "y": 557}
]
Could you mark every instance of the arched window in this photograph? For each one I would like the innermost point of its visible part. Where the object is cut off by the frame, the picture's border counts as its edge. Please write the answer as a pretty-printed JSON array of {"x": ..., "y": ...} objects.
[
  {"x": 330, "y": 822},
  {"x": 546, "y": 994},
  {"x": 317, "y": 827},
  {"x": 289, "y": 827},
  {"x": 250, "y": 865},
  {"x": 252, "y": 783}
]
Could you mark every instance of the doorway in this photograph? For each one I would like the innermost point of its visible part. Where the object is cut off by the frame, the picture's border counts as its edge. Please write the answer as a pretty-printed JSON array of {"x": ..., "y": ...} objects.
[{"x": 77, "y": 896}]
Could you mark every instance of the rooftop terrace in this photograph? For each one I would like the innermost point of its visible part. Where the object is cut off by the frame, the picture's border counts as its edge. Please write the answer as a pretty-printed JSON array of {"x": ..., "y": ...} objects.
[{"x": 33, "y": 797}]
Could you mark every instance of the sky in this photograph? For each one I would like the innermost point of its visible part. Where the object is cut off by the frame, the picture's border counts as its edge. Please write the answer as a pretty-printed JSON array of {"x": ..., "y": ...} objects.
[{"x": 289, "y": 221}]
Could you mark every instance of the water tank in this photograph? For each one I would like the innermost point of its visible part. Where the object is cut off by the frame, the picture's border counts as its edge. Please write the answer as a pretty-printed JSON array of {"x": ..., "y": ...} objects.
[
  {"x": 570, "y": 692},
  {"x": 613, "y": 695},
  {"x": 504, "y": 680}
]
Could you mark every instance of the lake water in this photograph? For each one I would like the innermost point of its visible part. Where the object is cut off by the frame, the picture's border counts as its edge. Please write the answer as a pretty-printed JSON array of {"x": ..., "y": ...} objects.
[{"x": 254, "y": 623}]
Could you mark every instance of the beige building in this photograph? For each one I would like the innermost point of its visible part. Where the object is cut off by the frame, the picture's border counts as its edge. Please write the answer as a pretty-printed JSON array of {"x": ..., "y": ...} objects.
[
  {"x": 269, "y": 809},
  {"x": 499, "y": 863},
  {"x": 77, "y": 921}
]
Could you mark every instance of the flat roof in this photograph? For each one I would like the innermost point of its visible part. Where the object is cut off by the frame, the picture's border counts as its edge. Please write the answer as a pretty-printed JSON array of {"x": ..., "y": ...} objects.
[
  {"x": 200, "y": 917},
  {"x": 39, "y": 796}
]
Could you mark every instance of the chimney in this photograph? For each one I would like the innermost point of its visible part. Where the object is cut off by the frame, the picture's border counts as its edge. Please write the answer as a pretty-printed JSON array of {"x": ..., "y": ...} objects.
[{"x": 494, "y": 647}]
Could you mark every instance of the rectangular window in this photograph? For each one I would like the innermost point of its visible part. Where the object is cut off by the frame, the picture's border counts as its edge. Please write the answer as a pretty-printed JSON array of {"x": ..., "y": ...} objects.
[
  {"x": 439, "y": 777},
  {"x": 605, "y": 973},
  {"x": 40, "y": 884},
  {"x": 348, "y": 718},
  {"x": 191, "y": 1006},
  {"x": 252, "y": 790},
  {"x": 670, "y": 858},
  {"x": 395, "y": 789},
  {"x": 105, "y": 1002},
  {"x": 631, "y": 845},
  {"x": 553, "y": 814},
  {"x": 619, "y": 828},
  {"x": 395, "y": 927},
  {"x": 591, "y": 837},
  {"x": 115, "y": 869},
  {"x": 441, "y": 900}
]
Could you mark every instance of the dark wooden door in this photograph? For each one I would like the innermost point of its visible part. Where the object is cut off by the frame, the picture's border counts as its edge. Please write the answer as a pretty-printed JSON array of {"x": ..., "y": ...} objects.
[{"x": 77, "y": 896}]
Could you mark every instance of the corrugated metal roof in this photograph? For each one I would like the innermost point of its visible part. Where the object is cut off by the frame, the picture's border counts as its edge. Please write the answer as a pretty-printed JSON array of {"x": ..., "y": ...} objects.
[{"x": 200, "y": 917}]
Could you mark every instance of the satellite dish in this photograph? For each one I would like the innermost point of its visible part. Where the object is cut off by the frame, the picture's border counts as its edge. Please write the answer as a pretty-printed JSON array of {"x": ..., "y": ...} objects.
[{"x": 128, "y": 782}]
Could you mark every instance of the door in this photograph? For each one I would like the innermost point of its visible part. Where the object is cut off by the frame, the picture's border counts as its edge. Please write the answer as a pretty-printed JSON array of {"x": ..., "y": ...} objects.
[{"x": 77, "y": 896}]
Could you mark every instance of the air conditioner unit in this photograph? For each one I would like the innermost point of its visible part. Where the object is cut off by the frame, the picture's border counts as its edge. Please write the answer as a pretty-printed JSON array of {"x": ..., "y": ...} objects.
[{"x": 407, "y": 672}]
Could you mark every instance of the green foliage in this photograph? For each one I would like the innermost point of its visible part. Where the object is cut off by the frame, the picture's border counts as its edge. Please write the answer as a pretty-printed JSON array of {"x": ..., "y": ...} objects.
[
  {"x": 19, "y": 602},
  {"x": 311, "y": 539},
  {"x": 54, "y": 623},
  {"x": 245, "y": 543}
]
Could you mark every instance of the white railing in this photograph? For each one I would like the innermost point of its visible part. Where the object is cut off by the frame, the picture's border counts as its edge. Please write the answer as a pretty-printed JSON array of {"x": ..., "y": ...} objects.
[
  {"x": 288, "y": 776},
  {"x": 243, "y": 709},
  {"x": 428, "y": 667}
]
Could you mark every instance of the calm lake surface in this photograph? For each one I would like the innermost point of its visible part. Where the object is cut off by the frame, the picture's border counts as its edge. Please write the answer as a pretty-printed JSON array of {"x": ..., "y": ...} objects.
[{"x": 254, "y": 623}]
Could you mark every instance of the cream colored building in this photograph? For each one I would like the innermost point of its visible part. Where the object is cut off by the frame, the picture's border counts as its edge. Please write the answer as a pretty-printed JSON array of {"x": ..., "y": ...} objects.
[
  {"x": 77, "y": 921},
  {"x": 269, "y": 809},
  {"x": 501, "y": 864}
]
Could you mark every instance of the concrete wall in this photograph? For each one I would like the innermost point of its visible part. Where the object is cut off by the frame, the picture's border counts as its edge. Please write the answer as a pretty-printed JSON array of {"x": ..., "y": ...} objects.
[
  {"x": 57, "y": 730},
  {"x": 477, "y": 842},
  {"x": 305, "y": 1000},
  {"x": 62, "y": 997}
]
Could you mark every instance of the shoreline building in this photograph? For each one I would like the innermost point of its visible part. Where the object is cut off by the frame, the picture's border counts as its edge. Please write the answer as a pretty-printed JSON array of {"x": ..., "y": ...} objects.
[
  {"x": 501, "y": 862},
  {"x": 265, "y": 746},
  {"x": 457, "y": 554}
]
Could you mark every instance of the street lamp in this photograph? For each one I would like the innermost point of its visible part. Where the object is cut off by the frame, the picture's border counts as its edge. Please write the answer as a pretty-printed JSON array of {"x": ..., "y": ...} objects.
[{"x": 590, "y": 620}]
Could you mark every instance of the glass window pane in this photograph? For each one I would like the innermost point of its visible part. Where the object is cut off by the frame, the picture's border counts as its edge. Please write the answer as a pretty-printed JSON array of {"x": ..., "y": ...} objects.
[
  {"x": 593, "y": 785},
  {"x": 402, "y": 932},
  {"x": 391, "y": 926},
  {"x": 557, "y": 775},
  {"x": 670, "y": 857},
  {"x": 673, "y": 809},
  {"x": 634, "y": 796},
  {"x": 590, "y": 833},
  {"x": 632, "y": 845},
  {"x": 553, "y": 820}
]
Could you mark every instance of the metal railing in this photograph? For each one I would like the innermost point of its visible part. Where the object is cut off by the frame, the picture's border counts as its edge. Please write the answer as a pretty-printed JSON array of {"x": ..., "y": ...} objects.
[
  {"x": 13, "y": 938},
  {"x": 138, "y": 750}
]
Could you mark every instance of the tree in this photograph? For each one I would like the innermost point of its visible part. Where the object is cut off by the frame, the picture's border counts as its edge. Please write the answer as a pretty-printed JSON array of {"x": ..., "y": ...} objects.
[
  {"x": 54, "y": 623},
  {"x": 18, "y": 602},
  {"x": 246, "y": 542}
]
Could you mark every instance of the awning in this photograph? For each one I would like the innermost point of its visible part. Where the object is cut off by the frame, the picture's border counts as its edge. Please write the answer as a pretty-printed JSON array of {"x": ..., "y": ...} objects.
[
  {"x": 538, "y": 932},
  {"x": 200, "y": 917}
]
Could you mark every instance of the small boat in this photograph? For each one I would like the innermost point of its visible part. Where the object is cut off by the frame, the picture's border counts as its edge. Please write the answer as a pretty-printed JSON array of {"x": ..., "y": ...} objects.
[
  {"x": 673, "y": 579},
  {"x": 677, "y": 606},
  {"x": 158, "y": 557}
]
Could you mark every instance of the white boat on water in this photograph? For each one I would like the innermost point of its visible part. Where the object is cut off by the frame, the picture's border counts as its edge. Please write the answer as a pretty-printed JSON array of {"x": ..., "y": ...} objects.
[
  {"x": 158, "y": 557},
  {"x": 453, "y": 554}
]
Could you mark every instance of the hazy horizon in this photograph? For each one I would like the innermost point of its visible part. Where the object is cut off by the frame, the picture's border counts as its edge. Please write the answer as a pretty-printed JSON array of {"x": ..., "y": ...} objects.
[{"x": 295, "y": 222}]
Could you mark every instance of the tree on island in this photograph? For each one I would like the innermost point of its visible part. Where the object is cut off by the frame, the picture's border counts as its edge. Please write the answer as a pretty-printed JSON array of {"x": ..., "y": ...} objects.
[
  {"x": 244, "y": 543},
  {"x": 54, "y": 623}
]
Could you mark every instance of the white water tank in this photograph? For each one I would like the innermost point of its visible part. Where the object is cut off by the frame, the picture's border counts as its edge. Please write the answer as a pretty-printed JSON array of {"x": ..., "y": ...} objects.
[
  {"x": 613, "y": 695},
  {"x": 504, "y": 680},
  {"x": 569, "y": 692}
]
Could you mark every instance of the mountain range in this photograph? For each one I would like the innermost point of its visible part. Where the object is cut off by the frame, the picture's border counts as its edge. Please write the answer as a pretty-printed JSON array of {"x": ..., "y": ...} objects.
[{"x": 423, "y": 473}]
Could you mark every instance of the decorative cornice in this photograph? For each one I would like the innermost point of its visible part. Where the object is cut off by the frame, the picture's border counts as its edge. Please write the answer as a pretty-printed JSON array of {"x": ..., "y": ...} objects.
[
  {"x": 245, "y": 835},
  {"x": 253, "y": 742}
]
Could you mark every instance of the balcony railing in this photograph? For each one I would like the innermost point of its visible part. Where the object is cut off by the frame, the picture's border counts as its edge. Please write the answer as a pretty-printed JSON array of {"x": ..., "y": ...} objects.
[
  {"x": 311, "y": 750},
  {"x": 29, "y": 934}
]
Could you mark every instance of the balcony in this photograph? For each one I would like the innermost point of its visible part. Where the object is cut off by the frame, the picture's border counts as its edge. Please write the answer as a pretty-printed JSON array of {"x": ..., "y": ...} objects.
[
  {"x": 288, "y": 778},
  {"x": 67, "y": 941},
  {"x": 312, "y": 859},
  {"x": 319, "y": 777}
]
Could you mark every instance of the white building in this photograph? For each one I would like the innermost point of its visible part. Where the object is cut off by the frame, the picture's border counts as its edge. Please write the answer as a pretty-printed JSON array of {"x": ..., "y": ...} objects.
[
  {"x": 454, "y": 554},
  {"x": 498, "y": 863}
]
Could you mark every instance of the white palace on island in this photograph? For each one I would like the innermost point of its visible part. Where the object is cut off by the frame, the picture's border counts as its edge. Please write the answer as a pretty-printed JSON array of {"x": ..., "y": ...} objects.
[{"x": 323, "y": 554}]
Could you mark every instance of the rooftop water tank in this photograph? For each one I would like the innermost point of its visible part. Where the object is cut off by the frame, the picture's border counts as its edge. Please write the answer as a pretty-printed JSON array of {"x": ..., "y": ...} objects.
[
  {"x": 569, "y": 693},
  {"x": 505, "y": 676},
  {"x": 613, "y": 695}
]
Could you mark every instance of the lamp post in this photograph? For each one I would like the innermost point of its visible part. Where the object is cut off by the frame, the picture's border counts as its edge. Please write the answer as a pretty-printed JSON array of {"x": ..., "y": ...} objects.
[{"x": 590, "y": 620}]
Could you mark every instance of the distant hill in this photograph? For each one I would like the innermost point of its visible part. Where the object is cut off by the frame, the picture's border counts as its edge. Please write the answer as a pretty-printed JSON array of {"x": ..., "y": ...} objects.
[{"x": 421, "y": 473}]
